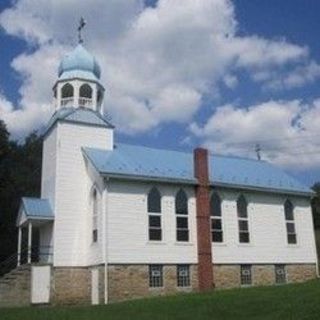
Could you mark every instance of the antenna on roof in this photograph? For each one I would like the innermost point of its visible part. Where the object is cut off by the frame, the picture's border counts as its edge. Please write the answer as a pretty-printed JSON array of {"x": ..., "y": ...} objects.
[
  {"x": 82, "y": 23},
  {"x": 258, "y": 151}
]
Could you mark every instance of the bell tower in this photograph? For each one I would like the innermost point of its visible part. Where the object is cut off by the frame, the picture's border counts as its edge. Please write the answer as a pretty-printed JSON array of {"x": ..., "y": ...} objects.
[{"x": 78, "y": 84}]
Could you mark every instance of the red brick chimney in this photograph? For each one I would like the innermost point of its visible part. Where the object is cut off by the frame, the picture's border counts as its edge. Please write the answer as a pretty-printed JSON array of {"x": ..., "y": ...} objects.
[{"x": 201, "y": 171}]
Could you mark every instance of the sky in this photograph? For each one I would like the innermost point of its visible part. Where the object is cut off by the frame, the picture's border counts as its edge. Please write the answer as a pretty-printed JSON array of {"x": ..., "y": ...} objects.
[{"x": 222, "y": 74}]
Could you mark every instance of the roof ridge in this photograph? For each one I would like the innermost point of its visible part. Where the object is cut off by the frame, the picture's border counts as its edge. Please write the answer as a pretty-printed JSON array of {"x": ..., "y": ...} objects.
[
  {"x": 185, "y": 152},
  {"x": 152, "y": 148}
]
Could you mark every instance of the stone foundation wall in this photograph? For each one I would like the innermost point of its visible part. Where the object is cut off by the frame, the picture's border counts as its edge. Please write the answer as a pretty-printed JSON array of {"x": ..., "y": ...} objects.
[
  {"x": 132, "y": 281},
  {"x": 70, "y": 285},
  {"x": 228, "y": 276},
  {"x": 263, "y": 275},
  {"x": 73, "y": 285},
  {"x": 300, "y": 273}
]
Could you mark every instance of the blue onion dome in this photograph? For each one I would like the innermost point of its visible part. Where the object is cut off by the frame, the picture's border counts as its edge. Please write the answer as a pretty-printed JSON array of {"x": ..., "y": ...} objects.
[{"x": 80, "y": 62}]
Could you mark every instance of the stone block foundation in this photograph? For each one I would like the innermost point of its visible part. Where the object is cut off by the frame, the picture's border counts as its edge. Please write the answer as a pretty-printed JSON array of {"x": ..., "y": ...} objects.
[
  {"x": 132, "y": 281},
  {"x": 72, "y": 285}
]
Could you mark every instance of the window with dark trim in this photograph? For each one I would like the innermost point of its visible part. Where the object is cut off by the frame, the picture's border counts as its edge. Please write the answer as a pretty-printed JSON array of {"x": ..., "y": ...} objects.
[
  {"x": 216, "y": 218},
  {"x": 280, "y": 273},
  {"x": 94, "y": 216},
  {"x": 182, "y": 221},
  {"x": 246, "y": 274},
  {"x": 155, "y": 276},
  {"x": 290, "y": 224},
  {"x": 183, "y": 275},
  {"x": 154, "y": 215},
  {"x": 243, "y": 220}
]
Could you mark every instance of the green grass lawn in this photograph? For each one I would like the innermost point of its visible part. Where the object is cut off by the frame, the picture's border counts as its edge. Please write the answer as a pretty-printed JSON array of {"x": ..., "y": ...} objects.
[{"x": 298, "y": 301}]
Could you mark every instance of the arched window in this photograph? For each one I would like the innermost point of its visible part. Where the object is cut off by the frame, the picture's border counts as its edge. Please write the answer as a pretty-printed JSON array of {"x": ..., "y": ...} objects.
[
  {"x": 182, "y": 223},
  {"x": 154, "y": 213},
  {"x": 216, "y": 218},
  {"x": 85, "y": 91},
  {"x": 94, "y": 215},
  {"x": 67, "y": 91},
  {"x": 243, "y": 220},
  {"x": 290, "y": 224}
]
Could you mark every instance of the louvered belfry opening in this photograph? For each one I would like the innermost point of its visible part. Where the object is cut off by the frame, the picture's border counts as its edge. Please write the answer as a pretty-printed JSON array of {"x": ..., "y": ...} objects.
[{"x": 201, "y": 171}]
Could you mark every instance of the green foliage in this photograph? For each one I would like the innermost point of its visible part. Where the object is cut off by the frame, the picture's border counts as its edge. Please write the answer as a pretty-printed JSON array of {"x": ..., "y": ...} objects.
[
  {"x": 295, "y": 302},
  {"x": 316, "y": 205},
  {"x": 20, "y": 175}
]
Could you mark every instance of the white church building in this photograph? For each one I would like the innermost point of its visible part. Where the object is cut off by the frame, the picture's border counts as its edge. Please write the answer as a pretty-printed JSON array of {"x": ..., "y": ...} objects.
[{"x": 118, "y": 221}]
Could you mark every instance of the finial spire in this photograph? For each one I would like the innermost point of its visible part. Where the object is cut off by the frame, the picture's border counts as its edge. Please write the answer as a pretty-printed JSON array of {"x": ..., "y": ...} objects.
[
  {"x": 82, "y": 23},
  {"x": 258, "y": 151}
]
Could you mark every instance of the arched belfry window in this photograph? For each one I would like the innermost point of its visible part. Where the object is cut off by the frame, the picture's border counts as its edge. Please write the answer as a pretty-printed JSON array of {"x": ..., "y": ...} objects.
[
  {"x": 290, "y": 224},
  {"x": 67, "y": 91},
  {"x": 216, "y": 218},
  {"x": 243, "y": 220},
  {"x": 95, "y": 212},
  {"x": 85, "y": 91},
  {"x": 154, "y": 215},
  {"x": 182, "y": 221}
]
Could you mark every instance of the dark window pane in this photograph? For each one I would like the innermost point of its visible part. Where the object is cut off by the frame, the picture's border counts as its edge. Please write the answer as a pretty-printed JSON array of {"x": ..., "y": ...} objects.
[
  {"x": 217, "y": 236},
  {"x": 242, "y": 207},
  {"x": 243, "y": 225},
  {"x": 154, "y": 221},
  {"x": 290, "y": 227},
  {"x": 288, "y": 210},
  {"x": 154, "y": 200},
  {"x": 182, "y": 235},
  {"x": 155, "y": 234},
  {"x": 182, "y": 223},
  {"x": 292, "y": 238},
  {"x": 215, "y": 205},
  {"x": 216, "y": 224},
  {"x": 181, "y": 202},
  {"x": 244, "y": 237},
  {"x": 95, "y": 235}
]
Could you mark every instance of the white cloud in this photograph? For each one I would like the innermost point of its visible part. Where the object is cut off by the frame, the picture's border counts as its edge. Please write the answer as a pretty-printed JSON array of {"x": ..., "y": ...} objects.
[
  {"x": 157, "y": 63},
  {"x": 287, "y": 132}
]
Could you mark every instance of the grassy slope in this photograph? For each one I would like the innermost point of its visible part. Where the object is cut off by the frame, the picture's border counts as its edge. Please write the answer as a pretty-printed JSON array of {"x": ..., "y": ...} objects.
[{"x": 299, "y": 301}]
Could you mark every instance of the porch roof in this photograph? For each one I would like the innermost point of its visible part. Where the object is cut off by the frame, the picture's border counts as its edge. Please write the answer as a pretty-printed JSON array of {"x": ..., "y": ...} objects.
[{"x": 36, "y": 208}]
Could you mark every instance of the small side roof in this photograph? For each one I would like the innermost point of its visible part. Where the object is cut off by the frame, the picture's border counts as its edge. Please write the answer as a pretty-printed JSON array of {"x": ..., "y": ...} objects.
[
  {"x": 78, "y": 115},
  {"x": 37, "y": 208},
  {"x": 139, "y": 162}
]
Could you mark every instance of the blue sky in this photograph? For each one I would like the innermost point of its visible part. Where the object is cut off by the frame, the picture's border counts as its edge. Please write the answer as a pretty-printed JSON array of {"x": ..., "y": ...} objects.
[{"x": 256, "y": 82}]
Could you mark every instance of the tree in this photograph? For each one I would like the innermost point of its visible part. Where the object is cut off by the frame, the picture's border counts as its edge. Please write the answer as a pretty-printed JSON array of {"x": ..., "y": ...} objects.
[
  {"x": 20, "y": 175},
  {"x": 316, "y": 205}
]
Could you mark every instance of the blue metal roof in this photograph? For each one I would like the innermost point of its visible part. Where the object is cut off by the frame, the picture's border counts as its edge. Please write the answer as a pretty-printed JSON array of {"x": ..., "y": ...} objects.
[
  {"x": 78, "y": 74},
  {"x": 37, "y": 208},
  {"x": 78, "y": 115},
  {"x": 79, "y": 59},
  {"x": 138, "y": 162}
]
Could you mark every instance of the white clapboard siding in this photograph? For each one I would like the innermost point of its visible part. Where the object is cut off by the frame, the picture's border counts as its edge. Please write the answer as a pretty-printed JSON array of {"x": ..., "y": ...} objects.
[
  {"x": 127, "y": 229},
  {"x": 72, "y": 240}
]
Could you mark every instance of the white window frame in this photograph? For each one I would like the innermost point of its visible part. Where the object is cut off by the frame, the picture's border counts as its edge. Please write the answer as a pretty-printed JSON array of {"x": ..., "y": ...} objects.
[
  {"x": 244, "y": 219},
  {"x": 216, "y": 217},
  {"x": 290, "y": 222},
  {"x": 155, "y": 214},
  {"x": 184, "y": 216},
  {"x": 280, "y": 277},
  {"x": 155, "y": 276},
  {"x": 246, "y": 275},
  {"x": 183, "y": 276}
]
